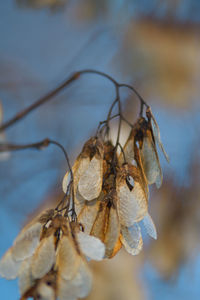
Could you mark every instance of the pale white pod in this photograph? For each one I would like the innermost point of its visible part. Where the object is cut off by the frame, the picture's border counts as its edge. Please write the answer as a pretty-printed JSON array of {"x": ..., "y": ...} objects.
[
  {"x": 27, "y": 241},
  {"x": 150, "y": 226},
  {"x": 88, "y": 215},
  {"x": 131, "y": 238},
  {"x": 151, "y": 162},
  {"x": 112, "y": 233},
  {"x": 9, "y": 268},
  {"x": 43, "y": 258},
  {"x": 90, "y": 246},
  {"x": 131, "y": 205},
  {"x": 78, "y": 287},
  {"x": 90, "y": 183},
  {"x": 25, "y": 276},
  {"x": 68, "y": 259}
]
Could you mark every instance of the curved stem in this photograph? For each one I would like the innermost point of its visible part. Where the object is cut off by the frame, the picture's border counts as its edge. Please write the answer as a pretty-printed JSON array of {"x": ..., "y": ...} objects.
[
  {"x": 142, "y": 102},
  {"x": 19, "y": 116},
  {"x": 39, "y": 146}
]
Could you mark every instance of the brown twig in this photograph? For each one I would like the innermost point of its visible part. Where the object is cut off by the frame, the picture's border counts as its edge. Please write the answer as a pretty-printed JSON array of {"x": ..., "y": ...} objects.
[{"x": 19, "y": 116}]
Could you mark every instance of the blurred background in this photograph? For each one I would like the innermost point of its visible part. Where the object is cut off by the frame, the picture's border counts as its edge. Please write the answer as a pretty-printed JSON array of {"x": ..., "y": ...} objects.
[{"x": 154, "y": 45}]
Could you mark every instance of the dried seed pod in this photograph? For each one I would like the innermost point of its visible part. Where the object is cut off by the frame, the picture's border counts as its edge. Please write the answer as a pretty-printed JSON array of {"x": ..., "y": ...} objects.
[
  {"x": 9, "y": 267},
  {"x": 44, "y": 288},
  {"x": 88, "y": 171},
  {"x": 90, "y": 183},
  {"x": 131, "y": 238},
  {"x": 88, "y": 214},
  {"x": 132, "y": 204},
  {"x": 26, "y": 242},
  {"x": 26, "y": 280},
  {"x": 112, "y": 236},
  {"x": 156, "y": 131},
  {"x": 150, "y": 226},
  {"x": 68, "y": 259},
  {"x": 43, "y": 258},
  {"x": 106, "y": 225},
  {"x": 128, "y": 152},
  {"x": 100, "y": 224},
  {"x": 78, "y": 287},
  {"x": 150, "y": 160},
  {"x": 91, "y": 246}
]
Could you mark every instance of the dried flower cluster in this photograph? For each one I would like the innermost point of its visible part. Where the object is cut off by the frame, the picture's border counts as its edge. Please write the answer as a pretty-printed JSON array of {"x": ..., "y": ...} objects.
[{"x": 106, "y": 199}]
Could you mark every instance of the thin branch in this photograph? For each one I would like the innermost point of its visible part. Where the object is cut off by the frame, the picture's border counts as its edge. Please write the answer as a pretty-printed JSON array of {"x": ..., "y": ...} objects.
[
  {"x": 19, "y": 116},
  {"x": 38, "y": 103},
  {"x": 4, "y": 147}
]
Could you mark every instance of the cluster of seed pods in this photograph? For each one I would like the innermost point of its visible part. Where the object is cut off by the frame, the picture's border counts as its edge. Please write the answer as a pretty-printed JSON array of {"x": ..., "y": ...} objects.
[
  {"x": 111, "y": 190},
  {"x": 105, "y": 203}
]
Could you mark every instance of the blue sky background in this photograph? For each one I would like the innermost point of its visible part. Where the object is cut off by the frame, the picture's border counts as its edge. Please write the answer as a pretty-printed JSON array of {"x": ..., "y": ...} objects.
[{"x": 38, "y": 49}]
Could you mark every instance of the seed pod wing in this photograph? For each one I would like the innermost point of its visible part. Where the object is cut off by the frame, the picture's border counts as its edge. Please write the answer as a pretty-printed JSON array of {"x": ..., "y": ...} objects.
[
  {"x": 91, "y": 246},
  {"x": 43, "y": 258},
  {"x": 25, "y": 277},
  {"x": 90, "y": 182},
  {"x": 131, "y": 238},
  {"x": 156, "y": 133},
  {"x": 101, "y": 221},
  {"x": 68, "y": 259},
  {"x": 112, "y": 234},
  {"x": 150, "y": 161},
  {"x": 128, "y": 152},
  {"x": 9, "y": 268},
  {"x": 26, "y": 242},
  {"x": 88, "y": 215},
  {"x": 131, "y": 205},
  {"x": 150, "y": 226},
  {"x": 78, "y": 287},
  {"x": 78, "y": 169}
]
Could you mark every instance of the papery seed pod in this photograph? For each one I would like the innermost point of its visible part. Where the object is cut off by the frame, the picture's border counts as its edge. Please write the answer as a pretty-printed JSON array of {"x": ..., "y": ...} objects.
[
  {"x": 90, "y": 182},
  {"x": 150, "y": 226},
  {"x": 26, "y": 280},
  {"x": 44, "y": 288},
  {"x": 43, "y": 258},
  {"x": 68, "y": 259},
  {"x": 88, "y": 171},
  {"x": 88, "y": 214},
  {"x": 112, "y": 236},
  {"x": 106, "y": 225},
  {"x": 131, "y": 238},
  {"x": 78, "y": 287},
  {"x": 132, "y": 203},
  {"x": 9, "y": 267},
  {"x": 92, "y": 247},
  {"x": 26, "y": 242},
  {"x": 150, "y": 160},
  {"x": 156, "y": 131},
  {"x": 128, "y": 152},
  {"x": 101, "y": 221},
  {"x": 23, "y": 246}
]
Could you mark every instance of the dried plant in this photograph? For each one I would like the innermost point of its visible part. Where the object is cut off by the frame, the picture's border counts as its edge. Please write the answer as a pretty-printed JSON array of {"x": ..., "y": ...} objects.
[{"x": 105, "y": 198}]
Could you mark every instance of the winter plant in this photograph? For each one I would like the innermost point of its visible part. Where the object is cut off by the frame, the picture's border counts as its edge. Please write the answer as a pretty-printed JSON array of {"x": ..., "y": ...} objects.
[{"x": 105, "y": 200}]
